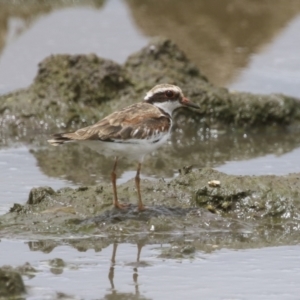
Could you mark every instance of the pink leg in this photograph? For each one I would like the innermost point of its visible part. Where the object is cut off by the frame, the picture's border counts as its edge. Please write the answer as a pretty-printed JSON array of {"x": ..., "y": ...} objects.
[
  {"x": 114, "y": 185},
  {"x": 137, "y": 183}
]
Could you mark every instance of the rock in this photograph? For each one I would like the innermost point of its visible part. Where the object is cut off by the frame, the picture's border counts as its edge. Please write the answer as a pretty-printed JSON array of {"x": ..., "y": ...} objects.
[
  {"x": 162, "y": 61},
  {"x": 77, "y": 90},
  {"x": 37, "y": 195},
  {"x": 11, "y": 283},
  {"x": 57, "y": 266},
  {"x": 85, "y": 79}
]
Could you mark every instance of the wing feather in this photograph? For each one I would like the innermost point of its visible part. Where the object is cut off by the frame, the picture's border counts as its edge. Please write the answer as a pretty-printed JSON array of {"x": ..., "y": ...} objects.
[{"x": 128, "y": 123}]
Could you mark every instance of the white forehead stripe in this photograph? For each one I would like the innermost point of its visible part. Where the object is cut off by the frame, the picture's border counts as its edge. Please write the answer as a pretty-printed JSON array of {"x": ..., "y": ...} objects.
[
  {"x": 148, "y": 95},
  {"x": 162, "y": 90}
]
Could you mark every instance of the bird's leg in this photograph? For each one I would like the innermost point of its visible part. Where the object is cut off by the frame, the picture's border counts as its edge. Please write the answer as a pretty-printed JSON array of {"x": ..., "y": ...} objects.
[
  {"x": 137, "y": 183},
  {"x": 114, "y": 185}
]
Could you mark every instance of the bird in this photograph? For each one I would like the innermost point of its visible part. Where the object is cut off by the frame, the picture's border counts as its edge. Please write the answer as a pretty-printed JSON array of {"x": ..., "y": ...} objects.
[{"x": 131, "y": 132}]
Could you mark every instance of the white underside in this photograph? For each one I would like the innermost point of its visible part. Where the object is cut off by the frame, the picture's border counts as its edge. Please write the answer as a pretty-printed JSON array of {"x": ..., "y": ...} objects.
[{"x": 134, "y": 149}]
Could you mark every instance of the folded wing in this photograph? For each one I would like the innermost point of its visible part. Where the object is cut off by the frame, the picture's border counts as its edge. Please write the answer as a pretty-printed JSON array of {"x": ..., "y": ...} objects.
[{"x": 138, "y": 121}]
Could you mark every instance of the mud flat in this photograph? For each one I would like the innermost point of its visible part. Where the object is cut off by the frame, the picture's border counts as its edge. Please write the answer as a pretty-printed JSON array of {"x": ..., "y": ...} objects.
[
  {"x": 240, "y": 211},
  {"x": 210, "y": 208}
]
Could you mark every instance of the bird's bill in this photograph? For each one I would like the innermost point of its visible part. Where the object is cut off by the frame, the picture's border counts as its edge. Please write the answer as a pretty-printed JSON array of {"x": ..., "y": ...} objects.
[{"x": 187, "y": 102}]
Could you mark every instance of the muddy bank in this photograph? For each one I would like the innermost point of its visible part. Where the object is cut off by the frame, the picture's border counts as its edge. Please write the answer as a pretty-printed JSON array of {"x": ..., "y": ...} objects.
[
  {"x": 241, "y": 211},
  {"x": 77, "y": 90}
]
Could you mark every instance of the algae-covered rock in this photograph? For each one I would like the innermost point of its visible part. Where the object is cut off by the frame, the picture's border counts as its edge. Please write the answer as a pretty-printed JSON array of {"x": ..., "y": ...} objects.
[
  {"x": 163, "y": 61},
  {"x": 57, "y": 265},
  {"x": 37, "y": 195},
  {"x": 87, "y": 79},
  {"x": 77, "y": 90},
  {"x": 11, "y": 283},
  {"x": 245, "y": 197},
  {"x": 66, "y": 91},
  {"x": 240, "y": 207}
]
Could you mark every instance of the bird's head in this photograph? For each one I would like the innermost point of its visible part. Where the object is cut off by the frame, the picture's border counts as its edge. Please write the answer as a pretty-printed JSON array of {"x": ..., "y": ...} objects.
[{"x": 168, "y": 97}]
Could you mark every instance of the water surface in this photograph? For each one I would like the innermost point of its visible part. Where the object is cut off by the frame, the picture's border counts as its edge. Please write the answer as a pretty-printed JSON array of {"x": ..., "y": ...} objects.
[
  {"x": 244, "y": 45},
  {"x": 109, "y": 32},
  {"x": 274, "y": 69},
  {"x": 19, "y": 174},
  {"x": 265, "y": 274}
]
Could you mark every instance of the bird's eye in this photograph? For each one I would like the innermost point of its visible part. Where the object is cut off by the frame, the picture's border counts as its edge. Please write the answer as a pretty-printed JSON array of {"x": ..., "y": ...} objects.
[{"x": 169, "y": 94}]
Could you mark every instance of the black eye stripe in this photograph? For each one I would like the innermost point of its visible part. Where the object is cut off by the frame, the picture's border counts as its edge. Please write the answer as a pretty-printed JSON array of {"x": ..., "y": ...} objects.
[{"x": 162, "y": 97}]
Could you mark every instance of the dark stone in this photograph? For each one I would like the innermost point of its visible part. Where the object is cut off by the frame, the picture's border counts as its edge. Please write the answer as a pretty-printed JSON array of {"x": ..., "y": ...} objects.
[
  {"x": 11, "y": 283},
  {"x": 37, "y": 195}
]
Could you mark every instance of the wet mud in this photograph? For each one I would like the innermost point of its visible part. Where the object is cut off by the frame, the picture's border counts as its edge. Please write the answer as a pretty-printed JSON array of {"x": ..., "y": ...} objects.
[{"x": 238, "y": 211}]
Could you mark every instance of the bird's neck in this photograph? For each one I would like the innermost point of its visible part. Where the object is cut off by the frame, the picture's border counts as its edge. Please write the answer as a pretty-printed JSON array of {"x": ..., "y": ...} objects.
[{"x": 168, "y": 106}]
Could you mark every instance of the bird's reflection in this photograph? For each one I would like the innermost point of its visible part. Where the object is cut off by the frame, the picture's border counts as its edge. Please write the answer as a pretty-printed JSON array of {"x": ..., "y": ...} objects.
[{"x": 117, "y": 295}]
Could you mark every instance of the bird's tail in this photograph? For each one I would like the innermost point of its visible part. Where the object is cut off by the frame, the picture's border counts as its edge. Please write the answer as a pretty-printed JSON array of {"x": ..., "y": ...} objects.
[{"x": 59, "y": 139}]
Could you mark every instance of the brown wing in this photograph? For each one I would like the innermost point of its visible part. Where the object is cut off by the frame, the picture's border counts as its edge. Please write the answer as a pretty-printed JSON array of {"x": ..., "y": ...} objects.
[{"x": 136, "y": 121}]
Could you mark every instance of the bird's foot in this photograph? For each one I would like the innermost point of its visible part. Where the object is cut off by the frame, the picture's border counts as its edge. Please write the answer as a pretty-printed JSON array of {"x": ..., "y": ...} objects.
[
  {"x": 141, "y": 207},
  {"x": 121, "y": 205}
]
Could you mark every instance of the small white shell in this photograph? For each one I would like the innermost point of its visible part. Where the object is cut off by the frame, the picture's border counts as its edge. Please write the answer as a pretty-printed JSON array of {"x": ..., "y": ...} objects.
[{"x": 214, "y": 183}]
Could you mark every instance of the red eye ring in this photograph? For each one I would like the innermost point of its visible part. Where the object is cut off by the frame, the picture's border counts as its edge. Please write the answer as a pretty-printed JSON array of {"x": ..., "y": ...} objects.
[{"x": 169, "y": 94}]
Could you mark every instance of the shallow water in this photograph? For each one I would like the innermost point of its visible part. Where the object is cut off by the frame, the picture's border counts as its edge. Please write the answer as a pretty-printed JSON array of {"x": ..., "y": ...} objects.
[
  {"x": 19, "y": 174},
  {"x": 268, "y": 273},
  {"x": 242, "y": 46},
  {"x": 22, "y": 169},
  {"x": 275, "y": 69},
  {"x": 266, "y": 165},
  {"x": 73, "y": 30}
]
